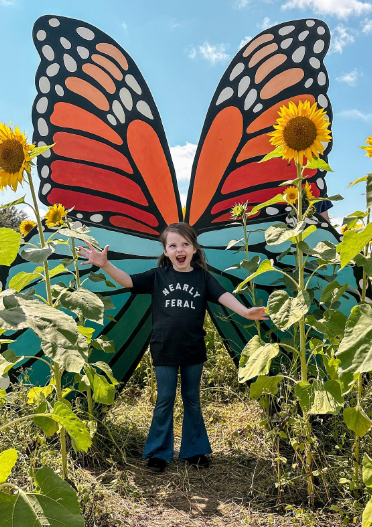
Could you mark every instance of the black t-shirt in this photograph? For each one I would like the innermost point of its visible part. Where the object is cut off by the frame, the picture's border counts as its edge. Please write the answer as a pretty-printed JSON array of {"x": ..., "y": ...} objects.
[{"x": 179, "y": 302}]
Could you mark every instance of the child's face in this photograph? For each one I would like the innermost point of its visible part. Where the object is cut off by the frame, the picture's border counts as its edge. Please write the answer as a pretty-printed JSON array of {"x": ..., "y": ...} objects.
[{"x": 179, "y": 251}]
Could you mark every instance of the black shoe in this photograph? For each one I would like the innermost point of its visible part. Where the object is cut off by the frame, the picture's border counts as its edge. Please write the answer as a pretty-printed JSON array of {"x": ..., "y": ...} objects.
[
  {"x": 199, "y": 461},
  {"x": 156, "y": 464}
]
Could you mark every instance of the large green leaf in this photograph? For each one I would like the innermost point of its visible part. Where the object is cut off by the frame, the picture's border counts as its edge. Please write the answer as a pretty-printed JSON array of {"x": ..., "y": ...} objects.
[
  {"x": 84, "y": 303},
  {"x": 353, "y": 243},
  {"x": 71, "y": 233},
  {"x": 316, "y": 162},
  {"x": 74, "y": 427},
  {"x": 332, "y": 292},
  {"x": 279, "y": 198},
  {"x": 7, "y": 360},
  {"x": 265, "y": 266},
  {"x": 20, "y": 280},
  {"x": 277, "y": 152},
  {"x": 106, "y": 368},
  {"x": 56, "y": 505},
  {"x": 9, "y": 246},
  {"x": 265, "y": 385},
  {"x": 8, "y": 459},
  {"x": 103, "y": 391},
  {"x": 284, "y": 310},
  {"x": 319, "y": 398},
  {"x": 332, "y": 327},
  {"x": 102, "y": 342},
  {"x": 355, "y": 351},
  {"x": 49, "y": 426},
  {"x": 367, "y": 470},
  {"x": 364, "y": 262},
  {"x": 11, "y": 204},
  {"x": 357, "y": 420},
  {"x": 280, "y": 232},
  {"x": 367, "y": 515},
  {"x": 38, "y": 256},
  {"x": 256, "y": 358}
]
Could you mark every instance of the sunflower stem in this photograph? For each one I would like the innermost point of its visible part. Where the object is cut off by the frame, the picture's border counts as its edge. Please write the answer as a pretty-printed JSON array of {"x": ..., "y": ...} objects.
[{"x": 251, "y": 284}]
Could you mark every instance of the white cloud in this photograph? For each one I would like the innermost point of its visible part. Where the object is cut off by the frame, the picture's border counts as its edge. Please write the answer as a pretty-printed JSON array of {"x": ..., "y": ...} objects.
[
  {"x": 211, "y": 52},
  {"x": 367, "y": 26},
  {"x": 183, "y": 157},
  {"x": 338, "y": 8},
  {"x": 245, "y": 41},
  {"x": 7, "y": 2},
  {"x": 356, "y": 115},
  {"x": 341, "y": 36},
  {"x": 266, "y": 23},
  {"x": 173, "y": 24},
  {"x": 337, "y": 222},
  {"x": 124, "y": 26},
  {"x": 350, "y": 78},
  {"x": 240, "y": 4},
  {"x": 183, "y": 197},
  {"x": 30, "y": 213}
]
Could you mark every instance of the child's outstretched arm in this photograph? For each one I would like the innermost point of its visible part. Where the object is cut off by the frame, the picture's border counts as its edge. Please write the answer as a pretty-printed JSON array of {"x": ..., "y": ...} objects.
[
  {"x": 253, "y": 313},
  {"x": 100, "y": 260}
]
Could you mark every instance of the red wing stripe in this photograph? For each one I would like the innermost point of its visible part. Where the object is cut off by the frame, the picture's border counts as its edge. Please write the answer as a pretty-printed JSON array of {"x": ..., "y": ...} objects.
[
  {"x": 259, "y": 173},
  {"x": 89, "y": 203},
  {"x": 77, "y": 147},
  {"x": 67, "y": 115},
  {"x": 78, "y": 175},
  {"x": 128, "y": 223}
]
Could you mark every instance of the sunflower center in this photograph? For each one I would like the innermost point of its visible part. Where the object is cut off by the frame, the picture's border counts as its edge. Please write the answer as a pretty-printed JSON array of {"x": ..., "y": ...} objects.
[
  {"x": 11, "y": 156},
  {"x": 300, "y": 133},
  {"x": 56, "y": 218}
]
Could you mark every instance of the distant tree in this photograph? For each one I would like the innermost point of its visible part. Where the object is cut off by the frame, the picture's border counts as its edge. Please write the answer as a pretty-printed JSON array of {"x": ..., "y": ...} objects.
[{"x": 12, "y": 218}]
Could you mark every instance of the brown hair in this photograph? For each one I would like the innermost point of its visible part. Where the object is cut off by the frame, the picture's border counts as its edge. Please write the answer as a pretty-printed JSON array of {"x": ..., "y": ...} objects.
[{"x": 187, "y": 232}]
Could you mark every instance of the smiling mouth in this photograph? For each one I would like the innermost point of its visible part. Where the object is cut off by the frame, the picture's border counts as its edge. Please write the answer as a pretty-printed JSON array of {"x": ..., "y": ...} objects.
[{"x": 181, "y": 259}]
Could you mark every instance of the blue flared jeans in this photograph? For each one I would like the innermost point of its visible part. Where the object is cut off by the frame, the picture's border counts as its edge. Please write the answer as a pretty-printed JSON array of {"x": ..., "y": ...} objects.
[{"x": 194, "y": 435}]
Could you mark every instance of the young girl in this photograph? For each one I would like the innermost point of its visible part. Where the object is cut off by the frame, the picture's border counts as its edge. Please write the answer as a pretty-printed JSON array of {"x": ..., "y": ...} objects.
[{"x": 180, "y": 287}]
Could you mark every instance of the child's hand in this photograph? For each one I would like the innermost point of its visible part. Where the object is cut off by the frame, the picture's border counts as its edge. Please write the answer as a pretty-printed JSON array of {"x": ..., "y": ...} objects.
[
  {"x": 94, "y": 257},
  {"x": 256, "y": 313}
]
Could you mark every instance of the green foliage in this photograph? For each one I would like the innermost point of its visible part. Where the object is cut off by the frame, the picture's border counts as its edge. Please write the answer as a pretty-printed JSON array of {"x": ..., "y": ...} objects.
[
  {"x": 77, "y": 430},
  {"x": 9, "y": 245},
  {"x": 265, "y": 386},
  {"x": 357, "y": 420},
  {"x": 11, "y": 217},
  {"x": 353, "y": 243},
  {"x": 8, "y": 459},
  {"x": 256, "y": 358},
  {"x": 285, "y": 311}
]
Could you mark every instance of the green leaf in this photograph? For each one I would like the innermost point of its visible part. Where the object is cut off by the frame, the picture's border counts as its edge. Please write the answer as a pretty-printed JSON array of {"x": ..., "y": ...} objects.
[
  {"x": 37, "y": 393},
  {"x": 353, "y": 243},
  {"x": 369, "y": 191},
  {"x": 273, "y": 154},
  {"x": 332, "y": 292},
  {"x": 316, "y": 162},
  {"x": 232, "y": 243},
  {"x": 9, "y": 246},
  {"x": 86, "y": 332},
  {"x": 8, "y": 459},
  {"x": 100, "y": 277},
  {"x": 80, "y": 236},
  {"x": 332, "y": 327},
  {"x": 58, "y": 269},
  {"x": 325, "y": 250},
  {"x": 357, "y": 420},
  {"x": 48, "y": 425},
  {"x": 265, "y": 266},
  {"x": 284, "y": 310},
  {"x": 280, "y": 232},
  {"x": 3, "y": 396},
  {"x": 367, "y": 470},
  {"x": 367, "y": 515},
  {"x": 38, "y": 256},
  {"x": 359, "y": 180},
  {"x": 256, "y": 358},
  {"x": 106, "y": 301},
  {"x": 319, "y": 398},
  {"x": 20, "y": 280},
  {"x": 39, "y": 150},
  {"x": 103, "y": 391},
  {"x": 8, "y": 359},
  {"x": 265, "y": 385},
  {"x": 75, "y": 428},
  {"x": 252, "y": 265},
  {"x": 16, "y": 202},
  {"x": 336, "y": 197},
  {"x": 106, "y": 368},
  {"x": 364, "y": 262},
  {"x": 355, "y": 351},
  {"x": 279, "y": 198},
  {"x": 310, "y": 229},
  {"x": 104, "y": 344},
  {"x": 84, "y": 303}
]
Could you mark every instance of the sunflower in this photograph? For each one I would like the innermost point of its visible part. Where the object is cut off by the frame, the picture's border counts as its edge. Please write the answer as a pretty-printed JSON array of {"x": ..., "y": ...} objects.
[
  {"x": 55, "y": 215},
  {"x": 26, "y": 226},
  {"x": 343, "y": 229},
  {"x": 14, "y": 157},
  {"x": 300, "y": 131},
  {"x": 291, "y": 194},
  {"x": 308, "y": 191},
  {"x": 368, "y": 148},
  {"x": 238, "y": 211}
]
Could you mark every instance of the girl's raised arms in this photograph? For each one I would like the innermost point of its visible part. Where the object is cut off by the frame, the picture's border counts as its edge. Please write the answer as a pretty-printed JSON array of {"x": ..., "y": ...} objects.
[
  {"x": 100, "y": 260},
  {"x": 253, "y": 313}
]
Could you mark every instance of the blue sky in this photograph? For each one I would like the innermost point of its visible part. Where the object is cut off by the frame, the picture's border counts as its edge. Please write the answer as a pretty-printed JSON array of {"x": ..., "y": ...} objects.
[{"x": 183, "y": 49}]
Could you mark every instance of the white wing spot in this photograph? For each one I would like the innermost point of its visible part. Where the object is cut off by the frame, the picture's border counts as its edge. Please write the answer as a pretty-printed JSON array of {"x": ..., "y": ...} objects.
[
  {"x": 80, "y": 216},
  {"x": 324, "y": 225},
  {"x": 59, "y": 90},
  {"x": 111, "y": 119},
  {"x": 272, "y": 211},
  {"x": 314, "y": 62},
  {"x": 118, "y": 111},
  {"x": 96, "y": 218},
  {"x": 44, "y": 84},
  {"x": 311, "y": 222},
  {"x": 47, "y": 153},
  {"x": 46, "y": 188},
  {"x": 303, "y": 35},
  {"x": 320, "y": 183},
  {"x": 243, "y": 85},
  {"x": 144, "y": 108},
  {"x": 42, "y": 105},
  {"x": 126, "y": 98},
  {"x": 286, "y": 43},
  {"x": 286, "y": 30},
  {"x": 70, "y": 63},
  {"x": 299, "y": 54},
  {"x": 318, "y": 46},
  {"x": 322, "y": 100},
  {"x": 237, "y": 71},
  {"x": 310, "y": 23},
  {"x": 224, "y": 95},
  {"x": 44, "y": 171},
  {"x": 48, "y": 52},
  {"x": 250, "y": 99},
  {"x": 52, "y": 70},
  {"x": 83, "y": 52},
  {"x": 41, "y": 35},
  {"x": 288, "y": 209},
  {"x": 322, "y": 79},
  {"x": 54, "y": 22},
  {"x": 42, "y": 127},
  {"x": 132, "y": 83},
  {"x": 308, "y": 83},
  {"x": 257, "y": 108},
  {"x": 85, "y": 33},
  {"x": 321, "y": 30},
  {"x": 65, "y": 43}
]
